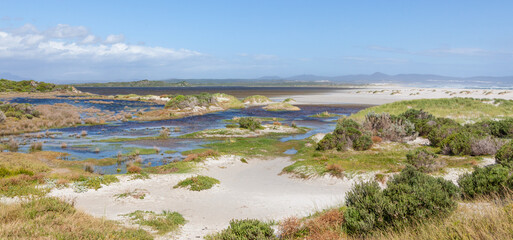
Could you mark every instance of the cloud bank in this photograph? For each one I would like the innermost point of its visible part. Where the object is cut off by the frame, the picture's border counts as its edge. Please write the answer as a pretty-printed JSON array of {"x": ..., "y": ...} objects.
[{"x": 67, "y": 52}]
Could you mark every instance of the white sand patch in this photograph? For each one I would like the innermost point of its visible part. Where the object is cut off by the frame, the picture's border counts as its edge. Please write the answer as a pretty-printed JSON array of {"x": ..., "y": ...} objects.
[
  {"x": 247, "y": 190},
  {"x": 377, "y": 95}
]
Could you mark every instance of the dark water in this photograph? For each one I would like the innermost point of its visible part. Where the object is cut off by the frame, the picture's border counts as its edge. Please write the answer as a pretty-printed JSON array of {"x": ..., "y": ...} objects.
[
  {"x": 239, "y": 92},
  {"x": 84, "y": 148}
]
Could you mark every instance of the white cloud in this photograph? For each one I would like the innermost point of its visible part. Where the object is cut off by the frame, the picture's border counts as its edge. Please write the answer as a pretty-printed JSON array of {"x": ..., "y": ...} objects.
[
  {"x": 459, "y": 51},
  {"x": 111, "y": 39},
  {"x": 67, "y": 31},
  {"x": 64, "y": 52}
]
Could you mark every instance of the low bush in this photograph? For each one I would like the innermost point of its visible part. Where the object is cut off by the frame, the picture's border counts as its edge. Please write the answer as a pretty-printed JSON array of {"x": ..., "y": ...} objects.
[
  {"x": 250, "y": 229},
  {"x": 347, "y": 135},
  {"x": 389, "y": 127},
  {"x": 249, "y": 123},
  {"x": 133, "y": 169},
  {"x": 197, "y": 183},
  {"x": 486, "y": 181},
  {"x": 424, "y": 160},
  {"x": 410, "y": 196},
  {"x": 362, "y": 143},
  {"x": 504, "y": 155},
  {"x": 191, "y": 101},
  {"x": 439, "y": 129},
  {"x": 470, "y": 141}
]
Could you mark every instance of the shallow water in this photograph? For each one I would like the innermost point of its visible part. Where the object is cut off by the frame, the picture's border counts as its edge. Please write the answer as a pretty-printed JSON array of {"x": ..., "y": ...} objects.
[{"x": 89, "y": 147}]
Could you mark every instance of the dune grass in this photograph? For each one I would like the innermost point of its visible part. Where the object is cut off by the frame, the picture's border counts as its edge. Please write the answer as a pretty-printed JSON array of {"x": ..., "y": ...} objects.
[
  {"x": 163, "y": 223},
  {"x": 197, "y": 183},
  {"x": 22, "y": 174},
  {"x": 51, "y": 218},
  {"x": 459, "y": 109}
]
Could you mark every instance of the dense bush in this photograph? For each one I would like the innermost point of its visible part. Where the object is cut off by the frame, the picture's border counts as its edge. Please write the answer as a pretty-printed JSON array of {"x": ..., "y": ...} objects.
[
  {"x": 389, "y": 127},
  {"x": 424, "y": 160},
  {"x": 419, "y": 118},
  {"x": 470, "y": 141},
  {"x": 504, "y": 155},
  {"x": 410, "y": 196},
  {"x": 501, "y": 128},
  {"x": 250, "y": 229},
  {"x": 489, "y": 180},
  {"x": 362, "y": 143},
  {"x": 347, "y": 134},
  {"x": 437, "y": 130},
  {"x": 249, "y": 123}
]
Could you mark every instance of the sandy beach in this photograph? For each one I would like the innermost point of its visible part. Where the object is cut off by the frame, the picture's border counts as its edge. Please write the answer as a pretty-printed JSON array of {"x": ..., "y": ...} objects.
[
  {"x": 247, "y": 190},
  {"x": 387, "y": 94}
]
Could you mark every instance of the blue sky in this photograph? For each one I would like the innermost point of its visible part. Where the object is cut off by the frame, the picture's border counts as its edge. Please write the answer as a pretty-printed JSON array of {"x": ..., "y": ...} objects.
[{"x": 67, "y": 41}]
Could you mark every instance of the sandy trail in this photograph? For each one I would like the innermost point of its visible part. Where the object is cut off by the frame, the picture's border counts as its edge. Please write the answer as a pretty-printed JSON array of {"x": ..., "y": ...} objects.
[{"x": 252, "y": 190}]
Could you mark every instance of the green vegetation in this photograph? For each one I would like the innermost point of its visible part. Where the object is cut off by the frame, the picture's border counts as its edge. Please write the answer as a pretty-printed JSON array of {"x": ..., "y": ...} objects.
[
  {"x": 424, "y": 160},
  {"x": 459, "y": 109},
  {"x": 197, "y": 183},
  {"x": 249, "y": 123},
  {"x": 17, "y": 111},
  {"x": 162, "y": 223},
  {"x": 324, "y": 114},
  {"x": 283, "y": 106},
  {"x": 245, "y": 229},
  {"x": 173, "y": 167},
  {"x": 51, "y": 218},
  {"x": 256, "y": 99},
  {"x": 348, "y": 134},
  {"x": 29, "y": 86},
  {"x": 190, "y": 101},
  {"x": 409, "y": 197}
]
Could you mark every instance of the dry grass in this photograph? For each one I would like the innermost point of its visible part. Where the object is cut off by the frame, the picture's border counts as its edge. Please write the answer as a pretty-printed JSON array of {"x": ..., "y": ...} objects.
[
  {"x": 50, "y": 218},
  {"x": 326, "y": 226},
  {"x": 490, "y": 218},
  {"x": 133, "y": 169}
]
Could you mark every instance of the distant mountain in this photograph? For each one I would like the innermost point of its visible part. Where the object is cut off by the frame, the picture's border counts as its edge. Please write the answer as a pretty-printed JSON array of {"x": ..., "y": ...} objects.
[
  {"x": 309, "y": 80},
  {"x": 6, "y": 75}
]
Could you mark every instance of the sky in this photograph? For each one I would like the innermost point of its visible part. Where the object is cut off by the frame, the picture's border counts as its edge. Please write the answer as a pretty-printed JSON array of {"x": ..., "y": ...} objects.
[{"x": 92, "y": 41}]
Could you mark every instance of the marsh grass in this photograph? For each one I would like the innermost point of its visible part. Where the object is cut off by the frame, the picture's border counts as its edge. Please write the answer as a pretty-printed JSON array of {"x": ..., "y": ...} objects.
[
  {"x": 51, "y": 218},
  {"x": 163, "y": 223},
  {"x": 197, "y": 183}
]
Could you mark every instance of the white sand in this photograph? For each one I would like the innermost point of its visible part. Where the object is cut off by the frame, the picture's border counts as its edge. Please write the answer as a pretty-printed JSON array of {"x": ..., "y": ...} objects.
[
  {"x": 253, "y": 190},
  {"x": 388, "y": 94}
]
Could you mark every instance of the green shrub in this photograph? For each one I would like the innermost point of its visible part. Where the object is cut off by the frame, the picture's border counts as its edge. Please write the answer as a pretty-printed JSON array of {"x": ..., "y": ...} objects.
[
  {"x": 249, "y": 123},
  {"x": 437, "y": 130},
  {"x": 197, "y": 183},
  {"x": 250, "y": 229},
  {"x": 424, "y": 160},
  {"x": 367, "y": 208},
  {"x": 410, "y": 196},
  {"x": 347, "y": 134},
  {"x": 419, "y": 118},
  {"x": 501, "y": 128},
  {"x": 485, "y": 181},
  {"x": 362, "y": 143},
  {"x": 470, "y": 141},
  {"x": 232, "y": 125},
  {"x": 504, "y": 155},
  {"x": 327, "y": 142}
]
